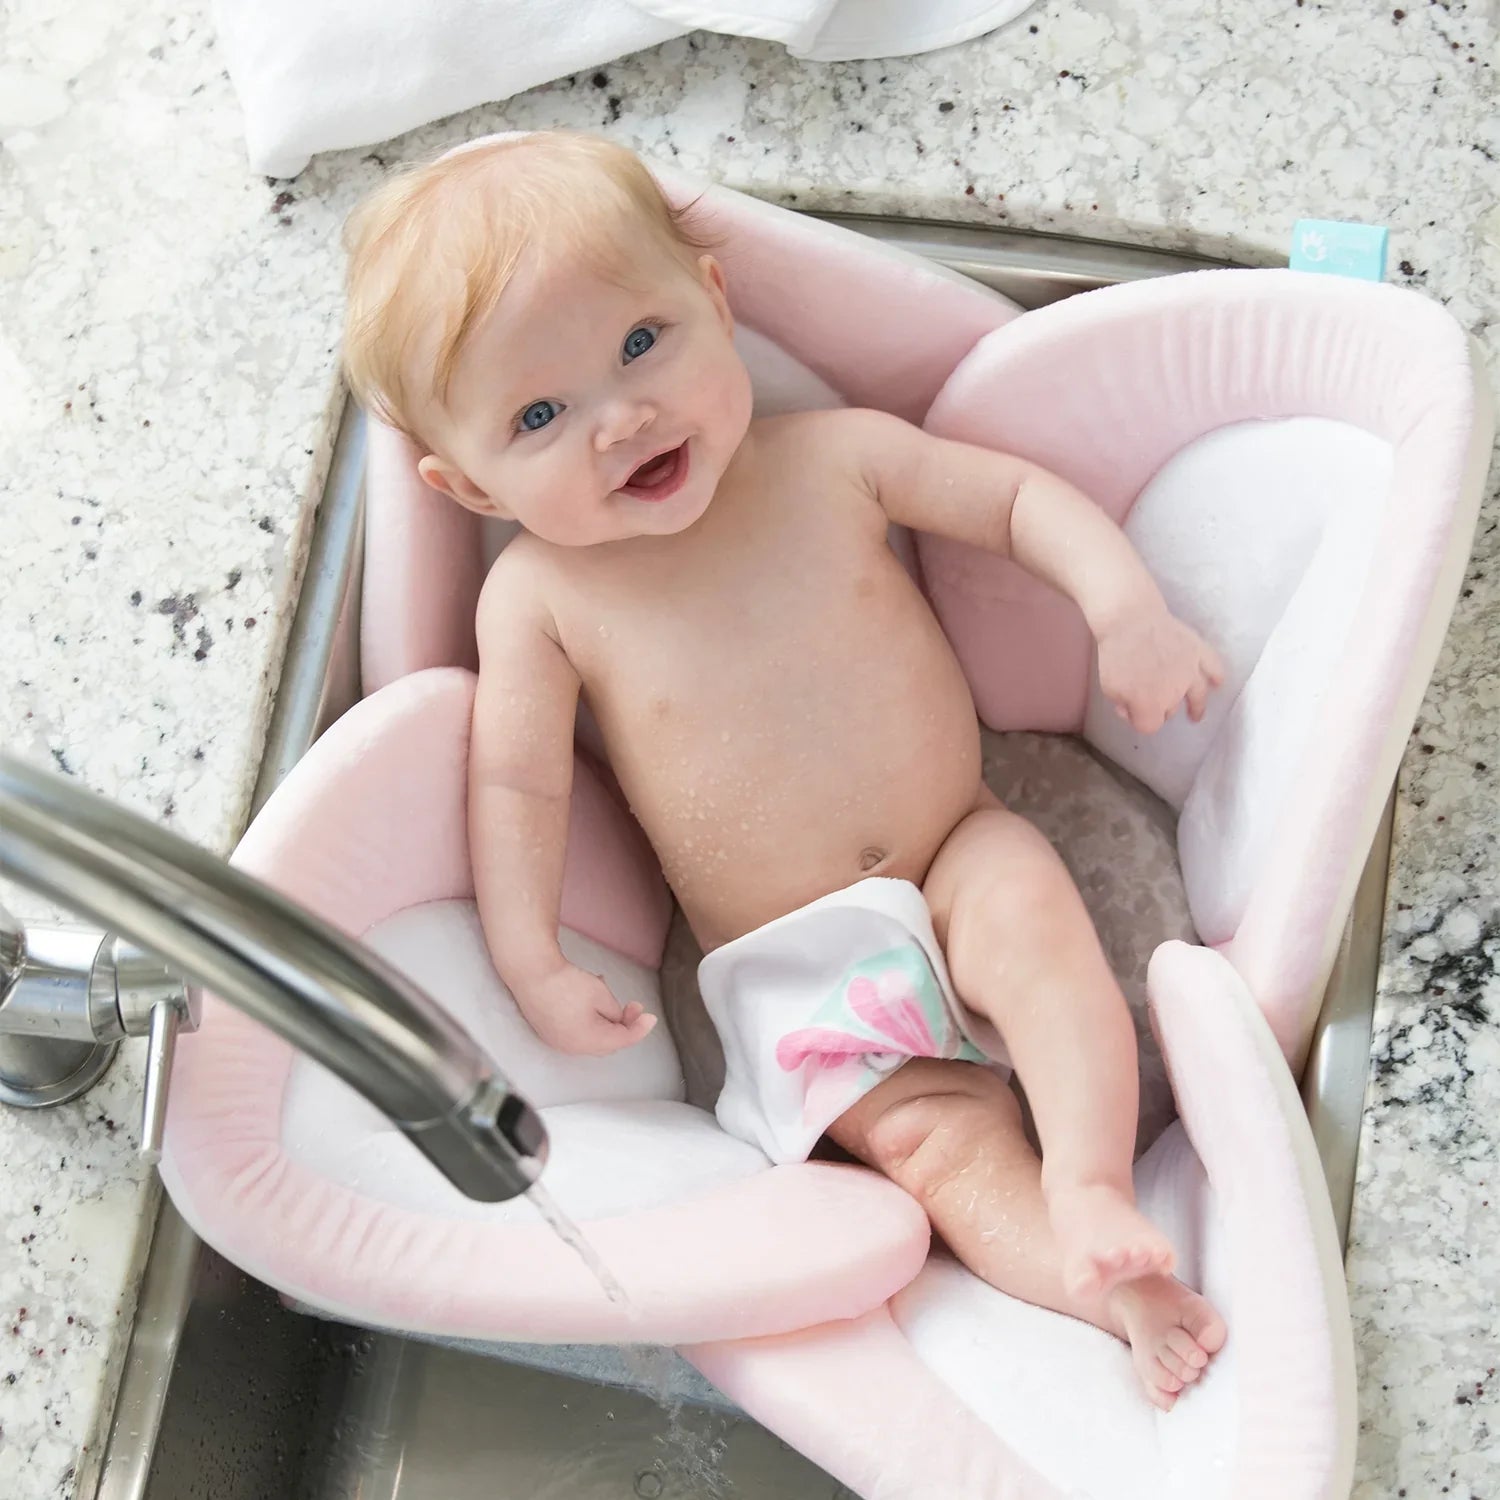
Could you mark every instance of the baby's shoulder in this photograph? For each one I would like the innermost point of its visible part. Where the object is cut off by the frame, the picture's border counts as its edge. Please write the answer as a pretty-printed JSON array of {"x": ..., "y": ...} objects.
[
  {"x": 844, "y": 438},
  {"x": 516, "y": 588},
  {"x": 829, "y": 430}
]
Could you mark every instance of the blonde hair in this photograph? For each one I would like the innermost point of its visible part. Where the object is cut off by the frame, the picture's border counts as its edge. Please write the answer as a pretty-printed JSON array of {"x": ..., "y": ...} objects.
[{"x": 435, "y": 247}]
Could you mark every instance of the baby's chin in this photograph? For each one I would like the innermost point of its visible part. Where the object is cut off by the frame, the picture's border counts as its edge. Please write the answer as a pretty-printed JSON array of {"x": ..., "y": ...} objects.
[
  {"x": 664, "y": 517},
  {"x": 669, "y": 521}
]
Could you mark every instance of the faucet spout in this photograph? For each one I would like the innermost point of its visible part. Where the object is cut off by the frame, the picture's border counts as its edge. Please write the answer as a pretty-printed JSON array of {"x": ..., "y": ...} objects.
[{"x": 291, "y": 971}]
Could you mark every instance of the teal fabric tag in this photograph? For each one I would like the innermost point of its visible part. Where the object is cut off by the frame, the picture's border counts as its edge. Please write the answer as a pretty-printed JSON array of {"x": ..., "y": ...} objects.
[{"x": 1335, "y": 249}]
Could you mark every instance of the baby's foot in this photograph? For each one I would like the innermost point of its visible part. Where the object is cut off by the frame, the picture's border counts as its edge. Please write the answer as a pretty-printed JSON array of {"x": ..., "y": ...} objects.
[
  {"x": 1173, "y": 1334},
  {"x": 1104, "y": 1240}
]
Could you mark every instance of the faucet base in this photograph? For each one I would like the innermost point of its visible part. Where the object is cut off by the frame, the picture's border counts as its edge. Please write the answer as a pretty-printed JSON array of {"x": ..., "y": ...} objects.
[{"x": 36, "y": 1072}]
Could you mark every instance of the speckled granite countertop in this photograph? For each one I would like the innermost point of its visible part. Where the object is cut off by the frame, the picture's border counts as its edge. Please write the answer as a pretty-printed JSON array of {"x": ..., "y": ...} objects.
[{"x": 167, "y": 396}]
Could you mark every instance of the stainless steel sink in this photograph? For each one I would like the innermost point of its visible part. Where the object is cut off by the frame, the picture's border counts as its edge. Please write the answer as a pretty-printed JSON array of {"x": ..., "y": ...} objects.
[{"x": 227, "y": 1395}]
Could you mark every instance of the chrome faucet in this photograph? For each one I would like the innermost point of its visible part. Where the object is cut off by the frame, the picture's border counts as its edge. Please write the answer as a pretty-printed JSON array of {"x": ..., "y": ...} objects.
[{"x": 68, "y": 995}]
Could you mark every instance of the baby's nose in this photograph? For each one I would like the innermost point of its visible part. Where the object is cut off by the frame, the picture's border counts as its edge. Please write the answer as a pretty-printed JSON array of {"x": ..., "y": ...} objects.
[{"x": 622, "y": 422}]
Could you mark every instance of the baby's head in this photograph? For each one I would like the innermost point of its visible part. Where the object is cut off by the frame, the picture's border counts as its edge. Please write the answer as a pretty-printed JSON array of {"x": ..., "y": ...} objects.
[{"x": 542, "y": 323}]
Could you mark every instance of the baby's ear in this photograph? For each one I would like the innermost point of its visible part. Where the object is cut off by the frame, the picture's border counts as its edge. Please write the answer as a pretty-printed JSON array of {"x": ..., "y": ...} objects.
[
  {"x": 448, "y": 479},
  {"x": 717, "y": 288}
]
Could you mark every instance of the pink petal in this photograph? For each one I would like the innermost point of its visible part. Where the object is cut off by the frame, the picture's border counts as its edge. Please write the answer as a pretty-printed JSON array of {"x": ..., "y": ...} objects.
[
  {"x": 819, "y": 1044},
  {"x": 831, "y": 1090},
  {"x": 893, "y": 1010}
]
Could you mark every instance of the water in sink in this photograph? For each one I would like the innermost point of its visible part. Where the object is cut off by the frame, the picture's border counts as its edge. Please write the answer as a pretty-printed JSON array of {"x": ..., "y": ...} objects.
[{"x": 546, "y": 1437}]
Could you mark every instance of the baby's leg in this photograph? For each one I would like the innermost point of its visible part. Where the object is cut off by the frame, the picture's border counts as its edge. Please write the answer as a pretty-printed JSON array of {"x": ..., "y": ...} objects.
[
  {"x": 1023, "y": 952},
  {"x": 950, "y": 1133}
]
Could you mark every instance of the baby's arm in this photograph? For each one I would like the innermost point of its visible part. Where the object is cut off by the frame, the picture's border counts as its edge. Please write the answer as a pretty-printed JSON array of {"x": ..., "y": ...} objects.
[
  {"x": 520, "y": 787},
  {"x": 1149, "y": 661}
]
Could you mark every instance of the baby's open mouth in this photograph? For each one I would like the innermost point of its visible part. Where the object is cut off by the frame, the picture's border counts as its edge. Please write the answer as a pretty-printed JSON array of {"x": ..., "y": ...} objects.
[{"x": 660, "y": 476}]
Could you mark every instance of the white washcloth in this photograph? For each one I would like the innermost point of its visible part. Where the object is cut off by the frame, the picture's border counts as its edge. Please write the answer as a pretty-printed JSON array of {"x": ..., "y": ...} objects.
[
  {"x": 322, "y": 75},
  {"x": 816, "y": 1008}
]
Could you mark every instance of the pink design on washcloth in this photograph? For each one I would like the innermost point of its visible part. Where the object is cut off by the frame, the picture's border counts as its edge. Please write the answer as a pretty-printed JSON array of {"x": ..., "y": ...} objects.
[
  {"x": 832, "y": 1087},
  {"x": 834, "y": 1082},
  {"x": 888, "y": 1004},
  {"x": 820, "y": 1045}
]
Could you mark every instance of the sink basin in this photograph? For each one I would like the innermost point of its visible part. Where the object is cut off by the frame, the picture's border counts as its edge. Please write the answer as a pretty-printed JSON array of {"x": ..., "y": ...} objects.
[{"x": 228, "y": 1394}]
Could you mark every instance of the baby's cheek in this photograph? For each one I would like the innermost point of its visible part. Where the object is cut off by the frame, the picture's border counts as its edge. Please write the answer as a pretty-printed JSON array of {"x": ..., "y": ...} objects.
[{"x": 734, "y": 400}]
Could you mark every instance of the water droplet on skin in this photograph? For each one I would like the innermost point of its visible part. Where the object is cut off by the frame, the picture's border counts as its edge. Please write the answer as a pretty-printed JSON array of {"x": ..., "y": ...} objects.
[{"x": 724, "y": 737}]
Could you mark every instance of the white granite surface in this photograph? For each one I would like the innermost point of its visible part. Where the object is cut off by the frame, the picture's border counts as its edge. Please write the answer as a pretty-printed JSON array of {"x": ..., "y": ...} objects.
[{"x": 167, "y": 391}]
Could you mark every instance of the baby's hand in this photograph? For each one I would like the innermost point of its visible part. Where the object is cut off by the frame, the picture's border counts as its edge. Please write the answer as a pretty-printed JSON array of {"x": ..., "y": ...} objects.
[
  {"x": 573, "y": 1010},
  {"x": 1149, "y": 661}
]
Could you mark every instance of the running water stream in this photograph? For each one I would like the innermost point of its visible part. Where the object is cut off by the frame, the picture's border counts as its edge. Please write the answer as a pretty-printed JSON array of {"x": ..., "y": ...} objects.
[
  {"x": 572, "y": 1236},
  {"x": 691, "y": 1456}
]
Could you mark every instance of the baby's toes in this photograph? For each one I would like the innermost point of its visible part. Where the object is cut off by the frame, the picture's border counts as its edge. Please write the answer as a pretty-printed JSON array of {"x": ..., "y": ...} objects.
[
  {"x": 1177, "y": 1366},
  {"x": 1186, "y": 1349},
  {"x": 1162, "y": 1386},
  {"x": 1163, "y": 1256},
  {"x": 1205, "y": 1325}
]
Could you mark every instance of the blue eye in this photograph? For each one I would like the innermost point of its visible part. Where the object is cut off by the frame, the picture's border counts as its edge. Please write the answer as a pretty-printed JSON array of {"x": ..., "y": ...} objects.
[
  {"x": 637, "y": 342},
  {"x": 537, "y": 415}
]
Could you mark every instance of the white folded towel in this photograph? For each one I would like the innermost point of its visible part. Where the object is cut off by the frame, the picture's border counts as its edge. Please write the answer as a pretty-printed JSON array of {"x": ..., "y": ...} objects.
[{"x": 321, "y": 75}]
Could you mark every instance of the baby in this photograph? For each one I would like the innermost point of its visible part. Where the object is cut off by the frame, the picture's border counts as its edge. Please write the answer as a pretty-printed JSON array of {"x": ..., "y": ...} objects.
[{"x": 778, "y": 702}]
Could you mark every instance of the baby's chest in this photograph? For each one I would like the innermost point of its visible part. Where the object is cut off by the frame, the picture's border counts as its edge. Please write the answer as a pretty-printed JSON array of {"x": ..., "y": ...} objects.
[
  {"x": 813, "y": 646},
  {"x": 766, "y": 613}
]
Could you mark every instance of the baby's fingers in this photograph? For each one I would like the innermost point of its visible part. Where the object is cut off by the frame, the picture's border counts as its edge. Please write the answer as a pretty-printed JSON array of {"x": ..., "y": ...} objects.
[
  {"x": 1213, "y": 666},
  {"x": 607, "y": 1036},
  {"x": 1146, "y": 716},
  {"x": 1210, "y": 675},
  {"x": 636, "y": 1019},
  {"x": 632, "y": 1024},
  {"x": 1140, "y": 717}
]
